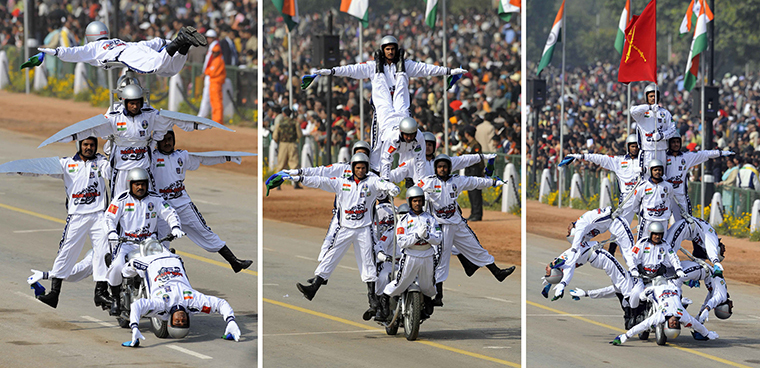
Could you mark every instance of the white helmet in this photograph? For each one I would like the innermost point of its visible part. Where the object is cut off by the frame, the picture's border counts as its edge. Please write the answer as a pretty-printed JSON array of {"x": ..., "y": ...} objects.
[
  {"x": 408, "y": 125},
  {"x": 137, "y": 174},
  {"x": 442, "y": 157},
  {"x": 178, "y": 332},
  {"x": 656, "y": 227},
  {"x": 632, "y": 138},
  {"x": 387, "y": 40},
  {"x": 652, "y": 88},
  {"x": 414, "y": 192},
  {"x": 96, "y": 31},
  {"x": 555, "y": 276},
  {"x": 360, "y": 145},
  {"x": 357, "y": 158},
  {"x": 725, "y": 309},
  {"x": 654, "y": 163},
  {"x": 132, "y": 92},
  {"x": 671, "y": 333},
  {"x": 429, "y": 137}
]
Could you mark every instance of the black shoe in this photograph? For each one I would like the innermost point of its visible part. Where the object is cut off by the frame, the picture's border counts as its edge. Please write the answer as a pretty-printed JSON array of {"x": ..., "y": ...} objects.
[
  {"x": 469, "y": 267},
  {"x": 438, "y": 300},
  {"x": 194, "y": 37},
  {"x": 500, "y": 274},
  {"x": 297, "y": 186},
  {"x": 102, "y": 298},
  {"x": 310, "y": 290},
  {"x": 400, "y": 67},
  {"x": 116, "y": 304},
  {"x": 473, "y": 219},
  {"x": 237, "y": 265},
  {"x": 51, "y": 298},
  {"x": 379, "y": 61}
]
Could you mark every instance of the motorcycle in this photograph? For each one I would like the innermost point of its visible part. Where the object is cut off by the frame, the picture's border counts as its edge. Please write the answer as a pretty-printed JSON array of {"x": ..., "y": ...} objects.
[
  {"x": 651, "y": 309},
  {"x": 133, "y": 288}
]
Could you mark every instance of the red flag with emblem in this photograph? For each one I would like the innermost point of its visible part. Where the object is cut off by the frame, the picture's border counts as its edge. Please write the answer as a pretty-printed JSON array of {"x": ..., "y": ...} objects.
[{"x": 639, "y": 59}]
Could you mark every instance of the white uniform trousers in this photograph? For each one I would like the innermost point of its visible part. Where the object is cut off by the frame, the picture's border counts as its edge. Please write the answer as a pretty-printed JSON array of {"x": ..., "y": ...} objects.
[
  {"x": 113, "y": 275},
  {"x": 194, "y": 227},
  {"x": 330, "y": 237},
  {"x": 204, "y": 109},
  {"x": 686, "y": 320},
  {"x": 676, "y": 210},
  {"x": 461, "y": 236},
  {"x": 77, "y": 227},
  {"x": 144, "y": 59},
  {"x": 363, "y": 240},
  {"x": 651, "y": 155},
  {"x": 413, "y": 268},
  {"x": 627, "y": 211}
]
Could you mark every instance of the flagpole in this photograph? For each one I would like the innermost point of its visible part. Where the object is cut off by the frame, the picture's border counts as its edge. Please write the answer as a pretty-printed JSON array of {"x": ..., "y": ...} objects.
[
  {"x": 562, "y": 113},
  {"x": 361, "y": 84},
  {"x": 702, "y": 117},
  {"x": 445, "y": 89},
  {"x": 290, "y": 74},
  {"x": 629, "y": 113}
]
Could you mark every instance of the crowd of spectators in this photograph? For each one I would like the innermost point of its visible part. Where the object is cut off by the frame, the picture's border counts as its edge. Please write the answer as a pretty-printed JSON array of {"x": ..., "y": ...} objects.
[
  {"x": 483, "y": 44},
  {"x": 62, "y": 22},
  {"x": 596, "y": 117}
]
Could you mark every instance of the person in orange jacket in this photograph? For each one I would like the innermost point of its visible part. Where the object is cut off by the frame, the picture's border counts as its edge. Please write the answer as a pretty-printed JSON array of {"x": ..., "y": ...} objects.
[{"x": 217, "y": 73}]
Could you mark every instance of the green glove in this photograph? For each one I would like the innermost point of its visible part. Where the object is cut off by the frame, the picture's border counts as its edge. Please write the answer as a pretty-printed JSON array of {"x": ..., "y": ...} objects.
[{"x": 33, "y": 61}]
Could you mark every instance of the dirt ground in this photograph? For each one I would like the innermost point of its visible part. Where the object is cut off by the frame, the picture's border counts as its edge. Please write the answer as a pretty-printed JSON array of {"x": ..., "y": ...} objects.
[
  {"x": 499, "y": 232},
  {"x": 44, "y": 116},
  {"x": 741, "y": 255}
]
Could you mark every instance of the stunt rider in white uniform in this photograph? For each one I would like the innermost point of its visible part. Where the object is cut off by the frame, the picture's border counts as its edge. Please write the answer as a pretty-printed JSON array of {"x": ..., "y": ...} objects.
[
  {"x": 667, "y": 299},
  {"x": 417, "y": 234},
  {"x": 706, "y": 243},
  {"x": 171, "y": 298},
  {"x": 169, "y": 169},
  {"x": 385, "y": 66},
  {"x": 84, "y": 178},
  {"x": 155, "y": 56},
  {"x": 677, "y": 170},
  {"x": 654, "y": 126},
  {"x": 595, "y": 222},
  {"x": 654, "y": 198},
  {"x": 356, "y": 197},
  {"x": 136, "y": 213},
  {"x": 442, "y": 191},
  {"x": 627, "y": 169},
  {"x": 652, "y": 252}
]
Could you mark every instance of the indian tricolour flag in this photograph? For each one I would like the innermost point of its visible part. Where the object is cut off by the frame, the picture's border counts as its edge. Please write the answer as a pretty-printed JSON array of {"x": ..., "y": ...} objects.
[
  {"x": 625, "y": 16},
  {"x": 554, "y": 36},
  {"x": 507, "y": 7},
  {"x": 129, "y": 207},
  {"x": 698, "y": 44},
  {"x": 690, "y": 18},
  {"x": 357, "y": 8},
  {"x": 289, "y": 10},
  {"x": 431, "y": 9}
]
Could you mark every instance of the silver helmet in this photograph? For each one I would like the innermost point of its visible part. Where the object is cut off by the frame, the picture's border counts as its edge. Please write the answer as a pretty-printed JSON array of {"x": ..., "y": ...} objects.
[
  {"x": 632, "y": 138},
  {"x": 656, "y": 228},
  {"x": 429, "y": 137},
  {"x": 676, "y": 135},
  {"x": 555, "y": 276},
  {"x": 137, "y": 174},
  {"x": 126, "y": 80},
  {"x": 403, "y": 209},
  {"x": 408, "y": 125},
  {"x": 360, "y": 145},
  {"x": 724, "y": 310},
  {"x": 414, "y": 192},
  {"x": 652, "y": 88},
  {"x": 654, "y": 163},
  {"x": 79, "y": 143},
  {"x": 178, "y": 332},
  {"x": 96, "y": 31},
  {"x": 671, "y": 333},
  {"x": 442, "y": 157},
  {"x": 357, "y": 158},
  {"x": 132, "y": 92},
  {"x": 387, "y": 40}
]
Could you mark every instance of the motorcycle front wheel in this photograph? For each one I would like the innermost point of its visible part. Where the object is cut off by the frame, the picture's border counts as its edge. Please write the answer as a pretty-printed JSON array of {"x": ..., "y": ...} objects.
[
  {"x": 659, "y": 334},
  {"x": 159, "y": 327},
  {"x": 412, "y": 314}
]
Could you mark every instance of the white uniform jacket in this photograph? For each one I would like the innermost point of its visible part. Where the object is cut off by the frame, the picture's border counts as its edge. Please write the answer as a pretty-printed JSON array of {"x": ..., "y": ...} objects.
[
  {"x": 169, "y": 173},
  {"x": 139, "y": 217},
  {"x": 355, "y": 198},
  {"x": 654, "y": 126},
  {"x": 408, "y": 234},
  {"x": 651, "y": 256},
  {"x": 367, "y": 70},
  {"x": 703, "y": 236},
  {"x": 85, "y": 183},
  {"x": 406, "y": 168},
  {"x": 168, "y": 287},
  {"x": 626, "y": 168},
  {"x": 677, "y": 168},
  {"x": 393, "y": 143},
  {"x": 442, "y": 195},
  {"x": 595, "y": 222},
  {"x": 654, "y": 200}
]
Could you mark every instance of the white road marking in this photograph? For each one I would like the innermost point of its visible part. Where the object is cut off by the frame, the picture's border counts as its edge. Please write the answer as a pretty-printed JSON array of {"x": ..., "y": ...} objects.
[
  {"x": 497, "y": 347},
  {"x": 35, "y": 231},
  {"x": 204, "y": 202},
  {"x": 104, "y": 324},
  {"x": 269, "y": 249},
  {"x": 306, "y": 258},
  {"x": 499, "y": 299},
  {"x": 26, "y": 295},
  {"x": 349, "y": 268},
  {"x": 270, "y": 284},
  {"x": 324, "y": 333},
  {"x": 188, "y": 352},
  {"x": 570, "y": 315}
]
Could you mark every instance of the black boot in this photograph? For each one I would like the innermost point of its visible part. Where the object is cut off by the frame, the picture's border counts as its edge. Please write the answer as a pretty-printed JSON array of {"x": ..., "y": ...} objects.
[
  {"x": 310, "y": 290},
  {"x": 237, "y": 265},
  {"x": 627, "y": 317},
  {"x": 469, "y": 267},
  {"x": 311, "y": 281},
  {"x": 187, "y": 36},
  {"x": 373, "y": 302},
  {"x": 194, "y": 37},
  {"x": 102, "y": 298},
  {"x": 51, "y": 298},
  {"x": 184, "y": 49},
  {"x": 438, "y": 300},
  {"x": 499, "y": 273},
  {"x": 400, "y": 67},
  {"x": 379, "y": 61},
  {"x": 116, "y": 303},
  {"x": 384, "y": 312},
  {"x": 427, "y": 303}
]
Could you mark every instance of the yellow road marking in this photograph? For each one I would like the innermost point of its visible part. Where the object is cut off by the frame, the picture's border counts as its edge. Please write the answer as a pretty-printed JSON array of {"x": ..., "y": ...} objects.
[
  {"x": 363, "y": 326},
  {"x": 687, "y": 350},
  {"x": 184, "y": 254}
]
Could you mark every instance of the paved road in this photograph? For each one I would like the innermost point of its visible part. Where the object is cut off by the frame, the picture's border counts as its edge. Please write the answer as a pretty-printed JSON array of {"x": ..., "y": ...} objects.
[
  {"x": 576, "y": 334},
  {"x": 478, "y": 327},
  {"x": 32, "y": 334}
]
